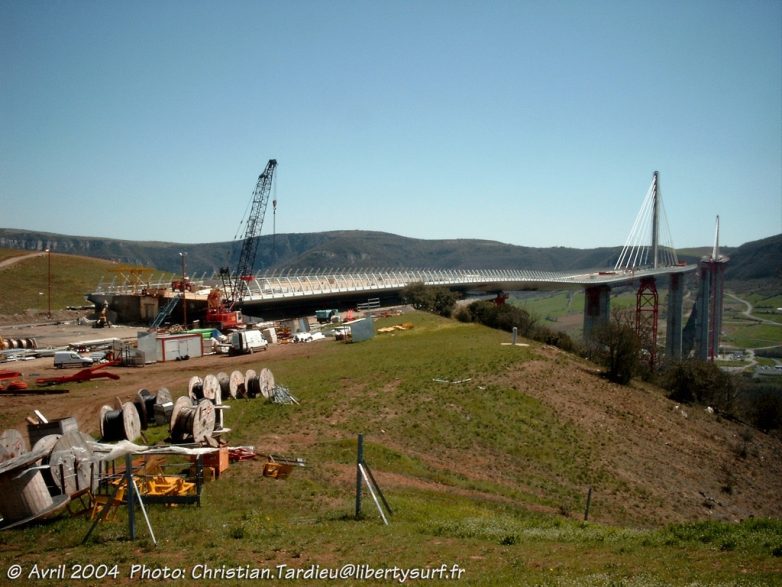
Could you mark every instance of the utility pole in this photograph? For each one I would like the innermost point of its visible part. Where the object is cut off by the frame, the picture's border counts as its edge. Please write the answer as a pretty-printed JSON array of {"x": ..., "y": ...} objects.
[
  {"x": 49, "y": 281},
  {"x": 184, "y": 291}
]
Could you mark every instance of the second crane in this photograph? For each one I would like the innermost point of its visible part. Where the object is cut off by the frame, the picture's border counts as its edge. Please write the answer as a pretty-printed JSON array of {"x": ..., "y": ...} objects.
[{"x": 221, "y": 304}]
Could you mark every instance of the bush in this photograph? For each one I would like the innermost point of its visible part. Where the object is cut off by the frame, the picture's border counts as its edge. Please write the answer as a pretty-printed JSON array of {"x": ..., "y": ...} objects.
[
  {"x": 766, "y": 412},
  {"x": 617, "y": 348},
  {"x": 428, "y": 298},
  {"x": 506, "y": 317},
  {"x": 702, "y": 382}
]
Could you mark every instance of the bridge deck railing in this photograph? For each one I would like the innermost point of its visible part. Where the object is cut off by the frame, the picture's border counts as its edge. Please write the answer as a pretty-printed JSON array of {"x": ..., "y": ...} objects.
[{"x": 291, "y": 284}]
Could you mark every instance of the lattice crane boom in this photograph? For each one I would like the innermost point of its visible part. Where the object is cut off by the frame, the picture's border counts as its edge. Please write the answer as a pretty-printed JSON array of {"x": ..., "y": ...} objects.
[{"x": 252, "y": 232}]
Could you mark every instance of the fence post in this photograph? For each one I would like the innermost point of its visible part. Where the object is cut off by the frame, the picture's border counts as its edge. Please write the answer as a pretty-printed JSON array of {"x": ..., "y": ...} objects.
[
  {"x": 130, "y": 496},
  {"x": 589, "y": 501}
]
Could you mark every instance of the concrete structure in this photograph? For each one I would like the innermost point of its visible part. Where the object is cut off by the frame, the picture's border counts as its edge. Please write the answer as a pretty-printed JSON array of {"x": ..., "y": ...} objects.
[
  {"x": 673, "y": 331},
  {"x": 597, "y": 309},
  {"x": 708, "y": 322}
]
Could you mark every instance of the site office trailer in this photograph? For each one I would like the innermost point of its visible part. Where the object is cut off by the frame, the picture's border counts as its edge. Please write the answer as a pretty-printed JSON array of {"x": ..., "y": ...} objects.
[{"x": 172, "y": 347}]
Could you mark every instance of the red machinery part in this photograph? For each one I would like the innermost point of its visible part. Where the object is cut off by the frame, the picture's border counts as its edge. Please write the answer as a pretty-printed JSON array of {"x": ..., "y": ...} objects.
[{"x": 83, "y": 375}]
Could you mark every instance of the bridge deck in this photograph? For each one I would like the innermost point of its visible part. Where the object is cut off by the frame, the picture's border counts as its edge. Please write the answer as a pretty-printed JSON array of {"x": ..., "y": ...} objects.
[{"x": 270, "y": 287}]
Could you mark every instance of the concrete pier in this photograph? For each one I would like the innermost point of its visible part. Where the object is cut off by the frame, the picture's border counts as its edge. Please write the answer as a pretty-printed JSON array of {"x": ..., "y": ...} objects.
[
  {"x": 673, "y": 330},
  {"x": 597, "y": 309}
]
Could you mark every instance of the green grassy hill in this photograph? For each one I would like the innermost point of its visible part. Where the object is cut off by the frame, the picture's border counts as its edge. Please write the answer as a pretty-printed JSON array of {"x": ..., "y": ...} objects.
[
  {"x": 485, "y": 452},
  {"x": 25, "y": 284}
]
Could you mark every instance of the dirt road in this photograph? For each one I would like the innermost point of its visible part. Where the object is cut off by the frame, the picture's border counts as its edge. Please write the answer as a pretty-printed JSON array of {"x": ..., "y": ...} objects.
[{"x": 12, "y": 260}]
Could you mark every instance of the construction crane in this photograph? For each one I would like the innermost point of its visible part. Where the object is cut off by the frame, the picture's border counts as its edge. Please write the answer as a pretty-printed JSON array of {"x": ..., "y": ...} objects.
[{"x": 220, "y": 304}]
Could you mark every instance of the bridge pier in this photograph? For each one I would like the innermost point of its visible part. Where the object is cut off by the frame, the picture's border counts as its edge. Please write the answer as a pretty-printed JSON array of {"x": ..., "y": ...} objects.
[
  {"x": 597, "y": 309},
  {"x": 708, "y": 307},
  {"x": 673, "y": 329}
]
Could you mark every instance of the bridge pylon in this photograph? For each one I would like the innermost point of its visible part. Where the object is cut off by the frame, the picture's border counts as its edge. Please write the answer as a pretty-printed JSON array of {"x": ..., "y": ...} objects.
[
  {"x": 708, "y": 323},
  {"x": 644, "y": 248}
]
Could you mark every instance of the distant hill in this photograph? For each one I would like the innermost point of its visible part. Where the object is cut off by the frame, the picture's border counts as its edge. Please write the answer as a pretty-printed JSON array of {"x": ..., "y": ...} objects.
[
  {"x": 358, "y": 249},
  {"x": 756, "y": 260}
]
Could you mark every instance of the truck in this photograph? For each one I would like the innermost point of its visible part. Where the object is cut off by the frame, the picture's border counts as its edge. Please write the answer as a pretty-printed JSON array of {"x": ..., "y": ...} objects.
[
  {"x": 71, "y": 359},
  {"x": 324, "y": 316},
  {"x": 247, "y": 341}
]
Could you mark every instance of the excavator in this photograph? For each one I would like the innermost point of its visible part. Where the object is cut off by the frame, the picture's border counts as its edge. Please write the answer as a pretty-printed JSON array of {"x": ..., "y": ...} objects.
[{"x": 220, "y": 311}]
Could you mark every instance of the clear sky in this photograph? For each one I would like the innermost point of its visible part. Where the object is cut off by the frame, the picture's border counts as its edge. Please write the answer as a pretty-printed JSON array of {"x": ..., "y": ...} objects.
[{"x": 536, "y": 123}]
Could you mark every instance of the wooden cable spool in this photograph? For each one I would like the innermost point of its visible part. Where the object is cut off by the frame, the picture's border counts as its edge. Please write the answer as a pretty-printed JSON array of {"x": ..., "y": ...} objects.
[
  {"x": 251, "y": 384},
  {"x": 23, "y": 493},
  {"x": 195, "y": 388},
  {"x": 225, "y": 385},
  {"x": 188, "y": 421},
  {"x": 163, "y": 396},
  {"x": 211, "y": 388},
  {"x": 46, "y": 445},
  {"x": 236, "y": 385},
  {"x": 145, "y": 403},
  {"x": 161, "y": 411},
  {"x": 266, "y": 379},
  {"x": 122, "y": 424},
  {"x": 75, "y": 455},
  {"x": 12, "y": 445}
]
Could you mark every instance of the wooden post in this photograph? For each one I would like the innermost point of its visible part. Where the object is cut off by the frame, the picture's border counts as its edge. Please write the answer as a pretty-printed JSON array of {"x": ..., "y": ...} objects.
[
  {"x": 359, "y": 462},
  {"x": 588, "y": 503}
]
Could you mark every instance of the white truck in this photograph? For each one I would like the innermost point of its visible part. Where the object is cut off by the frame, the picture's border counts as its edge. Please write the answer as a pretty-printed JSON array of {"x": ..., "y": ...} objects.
[
  {"x": 247, "y": 341},
  {"x": 71, "y": 359}
]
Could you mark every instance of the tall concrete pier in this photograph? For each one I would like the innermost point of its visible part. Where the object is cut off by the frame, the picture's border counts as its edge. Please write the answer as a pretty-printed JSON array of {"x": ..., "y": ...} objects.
[
  {"x": 673, "y": 329},
  {"x": 597, "y": 309}
]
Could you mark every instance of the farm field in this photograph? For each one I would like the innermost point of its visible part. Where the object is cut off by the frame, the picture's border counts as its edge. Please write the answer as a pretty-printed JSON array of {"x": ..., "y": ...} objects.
[
  {"x": 485, "y": 452},
  {"x": 564, "y": 311}
]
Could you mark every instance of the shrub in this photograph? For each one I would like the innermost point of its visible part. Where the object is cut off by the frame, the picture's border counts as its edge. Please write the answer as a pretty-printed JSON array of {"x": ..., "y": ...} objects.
[
  {"x": 507, "y": 317},
  {"x": 766, "y": 412},
  {"x": 694, "y": 381},
  {"x": 436, "y": 299},
  {"x": 617, "y": 347}
]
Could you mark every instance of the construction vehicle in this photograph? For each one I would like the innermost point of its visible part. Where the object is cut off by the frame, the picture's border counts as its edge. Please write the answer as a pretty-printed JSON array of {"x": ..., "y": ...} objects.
[
  {"x": 220, "y": 306},
  {"x": 247, "y": 341},
  {"x": 71, "y": 359}
]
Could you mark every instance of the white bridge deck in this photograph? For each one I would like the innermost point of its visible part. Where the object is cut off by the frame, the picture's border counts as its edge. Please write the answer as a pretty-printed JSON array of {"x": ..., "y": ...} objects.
[{"x": 270, "y": 287}]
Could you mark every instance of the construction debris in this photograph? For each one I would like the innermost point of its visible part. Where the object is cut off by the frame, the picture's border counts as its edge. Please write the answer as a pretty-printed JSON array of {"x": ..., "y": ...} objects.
[
  {"x": 282, "y": 395},
  {"x": 87, "y": 374},
  {"x": 404, "y": 326},
  {"x": 279, "y": 467}
]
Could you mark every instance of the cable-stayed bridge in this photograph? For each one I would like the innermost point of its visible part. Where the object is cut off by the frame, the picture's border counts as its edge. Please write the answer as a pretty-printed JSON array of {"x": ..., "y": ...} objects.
[{"x": 648, "y": 254}]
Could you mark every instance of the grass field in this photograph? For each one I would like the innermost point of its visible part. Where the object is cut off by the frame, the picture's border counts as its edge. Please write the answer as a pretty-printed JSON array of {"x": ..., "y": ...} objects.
[
  {"x": 8, "y": 253},
  {"x": 482, "y": 479},
  {"x": 563, "y": 310},
  {"x": 28, "y": 281}
]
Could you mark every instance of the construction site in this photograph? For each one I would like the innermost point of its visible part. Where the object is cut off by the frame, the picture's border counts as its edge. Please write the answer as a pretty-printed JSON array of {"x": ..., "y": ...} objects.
[{"x": 89, "y": 457}]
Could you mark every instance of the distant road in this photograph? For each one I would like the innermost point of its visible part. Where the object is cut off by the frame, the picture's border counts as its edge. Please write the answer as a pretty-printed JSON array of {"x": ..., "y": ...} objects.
[
  {"x": 11, "y": 260},
  {"x": 748, "y": 311}
]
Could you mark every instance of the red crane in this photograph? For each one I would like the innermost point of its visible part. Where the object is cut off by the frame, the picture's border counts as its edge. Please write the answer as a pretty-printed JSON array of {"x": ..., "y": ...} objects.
[{"x": 220, "y": 305}]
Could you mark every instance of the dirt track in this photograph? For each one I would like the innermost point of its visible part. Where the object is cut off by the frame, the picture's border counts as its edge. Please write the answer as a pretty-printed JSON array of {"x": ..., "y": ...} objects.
[{"x": 12, "y": 260}]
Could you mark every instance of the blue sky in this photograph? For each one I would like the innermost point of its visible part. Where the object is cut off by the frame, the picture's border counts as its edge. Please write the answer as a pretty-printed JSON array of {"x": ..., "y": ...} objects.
[{"x": 534, "y": 123}]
